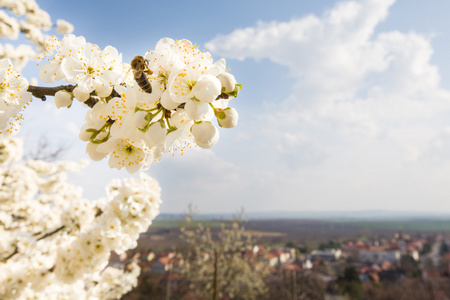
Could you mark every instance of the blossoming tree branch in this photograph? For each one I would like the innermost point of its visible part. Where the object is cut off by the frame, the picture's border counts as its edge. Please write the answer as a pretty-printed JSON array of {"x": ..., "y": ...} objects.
[
  {"x": 53, "y": 241},
  {"x": 163, "y": 102}
]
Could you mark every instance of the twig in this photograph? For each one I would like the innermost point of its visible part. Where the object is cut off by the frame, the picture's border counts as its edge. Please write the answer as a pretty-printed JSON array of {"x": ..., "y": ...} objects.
[
  {"x": 42, "y": 91},
  {"x": 223, "y": 96},
  {"x": 51, "y": 232},
  {"x": 16, "y": 249}
]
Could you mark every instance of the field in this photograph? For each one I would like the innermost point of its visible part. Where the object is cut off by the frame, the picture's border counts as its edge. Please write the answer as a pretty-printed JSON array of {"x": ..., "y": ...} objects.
[
  {"x": 178, "y": 223},
  {"x": 165, "y": 234},
  {"x": 417, "y": 225}
]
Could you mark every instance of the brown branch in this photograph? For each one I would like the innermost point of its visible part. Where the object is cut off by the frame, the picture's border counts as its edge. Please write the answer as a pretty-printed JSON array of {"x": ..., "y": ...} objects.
[
  {"x": 51, "y": 232},
  {"x": 16, "y": 249},
  {"x": 91, "y": 101},
  {"x": 223, "y": 96},
  {"x": 99, "y": 212},
  {"x": 42, "y": 91}
]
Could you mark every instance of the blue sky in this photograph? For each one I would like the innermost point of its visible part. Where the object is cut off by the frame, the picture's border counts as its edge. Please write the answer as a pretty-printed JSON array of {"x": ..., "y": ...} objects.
[{"x": 345, "y": 105}]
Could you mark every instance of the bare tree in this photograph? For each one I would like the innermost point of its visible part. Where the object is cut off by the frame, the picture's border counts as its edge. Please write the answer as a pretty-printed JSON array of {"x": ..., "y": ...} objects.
[
  {"x": 223, "y": 264},
  {"x": 305, "y": 285},
  {"x": 44, "y": 150}
]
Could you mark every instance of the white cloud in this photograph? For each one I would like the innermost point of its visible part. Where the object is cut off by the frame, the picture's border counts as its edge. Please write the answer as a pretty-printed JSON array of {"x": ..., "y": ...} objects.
[{"x": 364, "y": 106}]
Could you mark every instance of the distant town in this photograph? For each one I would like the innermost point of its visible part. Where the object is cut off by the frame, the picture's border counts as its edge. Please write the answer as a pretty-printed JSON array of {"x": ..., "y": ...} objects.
[{"x": 373, "y": 264}]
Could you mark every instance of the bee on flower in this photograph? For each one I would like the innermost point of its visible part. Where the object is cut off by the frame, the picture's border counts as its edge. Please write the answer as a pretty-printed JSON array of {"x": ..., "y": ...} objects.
[{"x": 132, "y": 124}]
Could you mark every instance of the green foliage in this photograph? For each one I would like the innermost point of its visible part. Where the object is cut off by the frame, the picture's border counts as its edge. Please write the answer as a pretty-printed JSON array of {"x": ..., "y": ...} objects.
[
  {"x": 331, "y": 244},
  {"x": 305, "y": 249},
  {"x": 409, "y": 266},
  {"x": 290, "y": 244},
  {"x": 350, "y": 274},
  {"x": 349, "y": 283},
  {"x": 426, "y": 249}
]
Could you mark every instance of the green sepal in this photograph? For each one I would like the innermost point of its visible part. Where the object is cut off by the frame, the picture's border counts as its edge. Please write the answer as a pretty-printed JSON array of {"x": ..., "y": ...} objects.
[
  {"x": 95, "y": 132},
  {"x": 100, "y": 141},
  {"x": 162, "y": 124},
  {"x": 171, "y": 129},
  {"x": 237, "y": 88},
  {"x": 221, "y": 115}
]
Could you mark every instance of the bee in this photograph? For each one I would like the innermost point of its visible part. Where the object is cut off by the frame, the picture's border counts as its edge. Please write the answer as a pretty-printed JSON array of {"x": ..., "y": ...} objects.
[{"x": 139, "y": 66}]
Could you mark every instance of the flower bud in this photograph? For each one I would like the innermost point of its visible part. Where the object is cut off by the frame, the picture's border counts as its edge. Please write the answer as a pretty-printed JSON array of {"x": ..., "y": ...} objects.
[
  {"x": 206, "y": 134},
  {"x": 228, "y": 82},
  {"x": 227, "y": 118},
  {"x": 207, "y": 89},
  {"x": 79, "y": 95},
  {"x": 63, "y": 99}
]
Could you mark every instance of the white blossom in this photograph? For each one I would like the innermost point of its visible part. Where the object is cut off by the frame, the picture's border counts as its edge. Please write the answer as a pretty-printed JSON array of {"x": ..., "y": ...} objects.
[
  {"x": 228, "y": 82},
  {"x": 131, "y": 126},
  {"x": 196, "y": 109},
  {"x": 63, "y": 99},
  {"x": 126, "y": 153},
  {"x": 59, "y": 242},
  {"x": 58, "y": 51},
  {"x": 9, "y": 26},
  {"x": 182, "y": 82},
  {"x": 91, "y": 67},
  {"x": 63, "y": 26},
  {"x": 11, "y": 150},
  {"x": 80, "y": 95},
  {"x": 19, "y": 55},
  {"x": 206, "y": 135},
  {"x": 227, "y": 118},
  {"x": 13, "y": 96}
]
